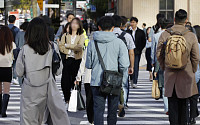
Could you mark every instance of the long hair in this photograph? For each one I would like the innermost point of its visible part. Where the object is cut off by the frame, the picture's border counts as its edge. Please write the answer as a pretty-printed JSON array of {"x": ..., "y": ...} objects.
[
  {"x": 6, "y": 39},
  {"x": 80, "y": 29},
  {"x": 36, "y": 36},
  {"x": 65, "y": 28},
  {"x": 157, "y": 26},
  {"x": 147, "y": 32}
]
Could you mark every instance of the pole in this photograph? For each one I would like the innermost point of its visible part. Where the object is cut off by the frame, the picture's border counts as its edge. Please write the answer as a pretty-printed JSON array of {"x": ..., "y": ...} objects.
[{"x": 74, "y": 7}]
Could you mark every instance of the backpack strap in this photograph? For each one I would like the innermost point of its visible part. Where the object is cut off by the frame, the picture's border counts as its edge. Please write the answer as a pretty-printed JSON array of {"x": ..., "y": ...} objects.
[
  {"x": 170, "y": 31},
  {"x": 123, "y": 34},
  {"x": 185, "y": 32}
]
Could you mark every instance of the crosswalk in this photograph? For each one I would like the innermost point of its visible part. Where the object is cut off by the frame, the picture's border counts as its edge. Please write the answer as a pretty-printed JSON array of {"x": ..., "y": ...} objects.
[{"x": 143, "y": 109}]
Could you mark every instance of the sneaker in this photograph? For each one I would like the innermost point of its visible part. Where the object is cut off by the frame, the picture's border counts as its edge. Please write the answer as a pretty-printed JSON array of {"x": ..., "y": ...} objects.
[
  {"x": 134, "y": 85},
  {"x": 66, "y": 106},
  {"x": 15, "y": 82},
  {"x": 192, "y": 121},
  {"x": 131, "y": 81}
]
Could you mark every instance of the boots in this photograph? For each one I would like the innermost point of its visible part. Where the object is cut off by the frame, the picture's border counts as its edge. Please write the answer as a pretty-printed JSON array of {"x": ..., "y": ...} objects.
[
  {"x": 5, "y": 104},
  {"x": 0, "y": 102}
]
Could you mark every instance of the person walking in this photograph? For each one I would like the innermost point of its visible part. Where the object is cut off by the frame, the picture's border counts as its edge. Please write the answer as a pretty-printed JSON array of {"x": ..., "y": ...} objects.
[
  {"x": 179, "y": 81},
  {"x": 158, "y": 72},
  {"x": 71, "y": 45},
  {"x": 115, "y": 57},
  {"x": 148, "y": 54},
  {"x": 39, "y": 89},
  {"x": 139, "y": 39},
  {"x": 70, "y": 17},
  {"x": 128, "y": 41},
  {"x": 14, "y": 30},
  {"x": 6, "y": 59},
  {"x": 144, "y": 28},
  {"x": 85, "y": 73}
]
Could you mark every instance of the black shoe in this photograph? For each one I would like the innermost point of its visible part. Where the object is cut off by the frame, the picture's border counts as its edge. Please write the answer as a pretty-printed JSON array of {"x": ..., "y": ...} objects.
[
  {"x": 5, "y": 104},
  {"x": 126, "y": 106},
  {"x": 192, "y": 121}
]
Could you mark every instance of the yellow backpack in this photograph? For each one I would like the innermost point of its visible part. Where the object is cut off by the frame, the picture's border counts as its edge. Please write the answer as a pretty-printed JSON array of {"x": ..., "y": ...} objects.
[{"x": 176, "y": 52}]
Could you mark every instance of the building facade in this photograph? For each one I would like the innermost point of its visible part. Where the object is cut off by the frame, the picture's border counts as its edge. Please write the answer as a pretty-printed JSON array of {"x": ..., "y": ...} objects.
[{"x": 146, "y": 10}]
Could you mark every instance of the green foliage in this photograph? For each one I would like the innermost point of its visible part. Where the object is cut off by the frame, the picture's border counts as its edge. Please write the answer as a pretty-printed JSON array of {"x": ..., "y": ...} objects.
[
  {"x": 101, "y": 8},
  {"x": 22, "y": 4}
]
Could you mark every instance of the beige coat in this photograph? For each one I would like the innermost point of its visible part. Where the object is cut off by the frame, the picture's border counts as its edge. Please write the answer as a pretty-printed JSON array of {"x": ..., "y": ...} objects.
[
  {"x": 39, "y": 89},
  {"x": 183, "y": 80},
  {"x": 77, "y": 47}
]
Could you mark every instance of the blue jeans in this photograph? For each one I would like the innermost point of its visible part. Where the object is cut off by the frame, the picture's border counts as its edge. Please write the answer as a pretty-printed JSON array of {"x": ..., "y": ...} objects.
[
  {"x": 165, "y": 100},
  {"x": 126, "y": 92},
  {"x": 99, "y": 107},
  {"x": 136, "y": 69}
]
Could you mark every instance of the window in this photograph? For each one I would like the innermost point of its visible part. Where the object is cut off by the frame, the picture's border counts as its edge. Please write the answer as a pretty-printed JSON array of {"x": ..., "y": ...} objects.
[{"x": 167, "y": 8}]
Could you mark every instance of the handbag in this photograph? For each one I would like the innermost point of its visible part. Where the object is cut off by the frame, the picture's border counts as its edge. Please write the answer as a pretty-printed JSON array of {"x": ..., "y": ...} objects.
[
  {"x": 155, "y": 90},
  {"x": 112, "y": 80},
  {"x": 55, "y": 60},
  {"x": 73, "y": 100},
  {"x": 80, "y": 100}
]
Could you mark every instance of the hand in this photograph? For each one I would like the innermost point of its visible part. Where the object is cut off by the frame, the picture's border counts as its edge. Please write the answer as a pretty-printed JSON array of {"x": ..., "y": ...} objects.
[
  {"x": 76, "y": 82},
  {"x": 155, "y": 74},
  {"x": 130, "y": 71}
]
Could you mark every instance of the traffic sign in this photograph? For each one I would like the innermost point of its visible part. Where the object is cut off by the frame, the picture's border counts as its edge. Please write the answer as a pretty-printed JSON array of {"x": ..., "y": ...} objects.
[
  {"x": 40, "y": 3},
  {"x": 93, "y": 8}
]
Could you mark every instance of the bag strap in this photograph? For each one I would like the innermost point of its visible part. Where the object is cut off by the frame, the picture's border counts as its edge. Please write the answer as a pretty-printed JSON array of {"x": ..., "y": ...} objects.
[
  {"x": 185, "y": 32},
  {"x": 123, "y": 34},
  {"x": 99, "y": 55},
  {"x": 171, "y": 32}
]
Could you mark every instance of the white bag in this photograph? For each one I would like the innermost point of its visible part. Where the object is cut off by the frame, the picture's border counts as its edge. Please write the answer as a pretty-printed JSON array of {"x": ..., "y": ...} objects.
[{"x": 73, "y": 101}]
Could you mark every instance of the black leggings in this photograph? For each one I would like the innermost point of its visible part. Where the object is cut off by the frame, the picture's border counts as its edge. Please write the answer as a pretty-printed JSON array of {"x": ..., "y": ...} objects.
[{"x": 70, "y": 70}]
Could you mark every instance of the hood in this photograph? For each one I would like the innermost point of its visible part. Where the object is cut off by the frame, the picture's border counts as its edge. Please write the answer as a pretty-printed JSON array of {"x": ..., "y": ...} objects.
[{"x": 104, "y": 37}]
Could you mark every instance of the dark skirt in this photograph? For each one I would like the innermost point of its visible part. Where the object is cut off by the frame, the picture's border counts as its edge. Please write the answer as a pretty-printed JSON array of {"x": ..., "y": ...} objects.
[
  {"x": 148, "y": 58},
  {"x": 5, "y": 74}
]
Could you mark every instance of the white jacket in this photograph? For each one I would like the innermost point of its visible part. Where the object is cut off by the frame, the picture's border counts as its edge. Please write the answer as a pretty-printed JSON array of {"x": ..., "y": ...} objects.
[{"x": 83, "y": 71}]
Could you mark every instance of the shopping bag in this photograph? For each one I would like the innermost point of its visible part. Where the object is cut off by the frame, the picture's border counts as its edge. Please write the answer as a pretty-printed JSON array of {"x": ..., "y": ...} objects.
[
  {"x": 155, "y": 90},
  {"x": 73, "y": 101},
  {"x": 80, "y": 101}
]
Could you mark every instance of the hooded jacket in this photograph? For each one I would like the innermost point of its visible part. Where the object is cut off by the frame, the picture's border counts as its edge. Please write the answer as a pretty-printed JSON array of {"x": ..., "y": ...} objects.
[{"x": 113, "y": 52}]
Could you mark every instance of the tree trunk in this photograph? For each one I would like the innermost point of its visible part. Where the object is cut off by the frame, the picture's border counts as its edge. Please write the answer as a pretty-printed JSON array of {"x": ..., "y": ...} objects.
[{"x": 34, "y": 5}]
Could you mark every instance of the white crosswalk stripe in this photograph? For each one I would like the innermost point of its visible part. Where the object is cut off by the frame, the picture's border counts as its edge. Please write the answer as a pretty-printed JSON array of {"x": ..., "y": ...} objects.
[{"x": 143, "y": 109}]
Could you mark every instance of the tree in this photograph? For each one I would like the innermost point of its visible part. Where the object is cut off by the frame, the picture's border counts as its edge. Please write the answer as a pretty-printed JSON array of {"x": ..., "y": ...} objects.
[
  {"x": 101, "y": 8},
  {"x": 22, "y": 4}
]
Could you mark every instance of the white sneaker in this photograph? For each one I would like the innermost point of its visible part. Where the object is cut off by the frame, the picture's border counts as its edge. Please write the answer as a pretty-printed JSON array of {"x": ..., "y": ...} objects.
[
  {"x": 134, "y": 85},
  {"x": 66, "y": 106},
  {"x": 131, "y": 81},
  {"x": 15, "y": 82}
]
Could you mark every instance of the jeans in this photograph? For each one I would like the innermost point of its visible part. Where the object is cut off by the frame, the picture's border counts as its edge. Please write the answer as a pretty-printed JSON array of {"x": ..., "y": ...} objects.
[
  {"x": 14, "y": 70},
  {"x": 136, "y": 68},
  {"x": 99, "y": 107},
  {"x": 89, "y": 103},
  {"x": 165, "y": 100},
  {"x": 126, "y": 92}
]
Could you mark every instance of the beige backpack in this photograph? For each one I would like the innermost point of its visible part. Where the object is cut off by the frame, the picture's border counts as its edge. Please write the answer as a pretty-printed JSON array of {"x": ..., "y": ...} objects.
[{"x": 176, "y": 53}]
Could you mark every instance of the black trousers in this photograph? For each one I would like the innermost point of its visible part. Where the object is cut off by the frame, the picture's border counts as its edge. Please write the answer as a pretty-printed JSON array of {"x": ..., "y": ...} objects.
[
  {"x": 70, "y": 70},
  {"x": 89, "y": 103},
  {"x": 148, "y": 58},
  {"x": 193, "y": 106},
  {"x": 177, "y": 110}
]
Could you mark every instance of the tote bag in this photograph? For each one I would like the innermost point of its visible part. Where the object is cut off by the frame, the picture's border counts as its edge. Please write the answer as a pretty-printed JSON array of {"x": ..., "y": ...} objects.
[
  {"x": 155, "y": 90},
  {"x": 73, "y": 100}
]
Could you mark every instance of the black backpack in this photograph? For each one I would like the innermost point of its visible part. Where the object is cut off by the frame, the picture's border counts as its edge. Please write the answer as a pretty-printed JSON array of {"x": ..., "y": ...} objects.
[
  {"x": 13, "y": 32},
  {"x": 121, "y": 36}
]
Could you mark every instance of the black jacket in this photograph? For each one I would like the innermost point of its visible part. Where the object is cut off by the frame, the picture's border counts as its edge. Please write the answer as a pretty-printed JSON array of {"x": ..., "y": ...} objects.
[{"x": 140, "y": 40}]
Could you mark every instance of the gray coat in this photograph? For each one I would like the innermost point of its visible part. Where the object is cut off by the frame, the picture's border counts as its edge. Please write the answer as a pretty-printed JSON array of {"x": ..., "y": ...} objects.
[{"x": 39, "y": 90}]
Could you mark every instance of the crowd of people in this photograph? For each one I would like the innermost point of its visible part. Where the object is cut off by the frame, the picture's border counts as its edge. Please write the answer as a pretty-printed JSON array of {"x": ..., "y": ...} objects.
[{"x": 107, "y": 63}]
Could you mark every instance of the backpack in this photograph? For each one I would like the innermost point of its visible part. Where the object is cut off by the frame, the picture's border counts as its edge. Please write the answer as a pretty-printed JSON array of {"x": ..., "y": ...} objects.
[
  {"x": 176, "y": 52},
  {"x": 13, "y": 32},
  {"x": 121, "y": 36}
]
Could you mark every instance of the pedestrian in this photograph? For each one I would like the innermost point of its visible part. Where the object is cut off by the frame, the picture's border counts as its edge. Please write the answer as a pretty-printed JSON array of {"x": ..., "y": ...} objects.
[
  {"x": 179, "y": 80},
  {"x": 124, "y": 23},
  {"x": 6, "y": 59},
  {"x": 144, "y": 28},
  {"x": 139, "y": 39},
  {"x": 14, "y": 30},
  {"x": 71, "y": 45},
  {"x": 85, "y": 73},
  {"x": 158, "y": 72},
  {"x": 115, "y": 57},
  {"x": 128, "y": 41},
  {"x": 39, "y": 89},
  {"x": 85, "y": 26},
  {"x": 47, "y": 20},
  {"x": 58, "y": 35},
  {"x": 148, "y": 54}
]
